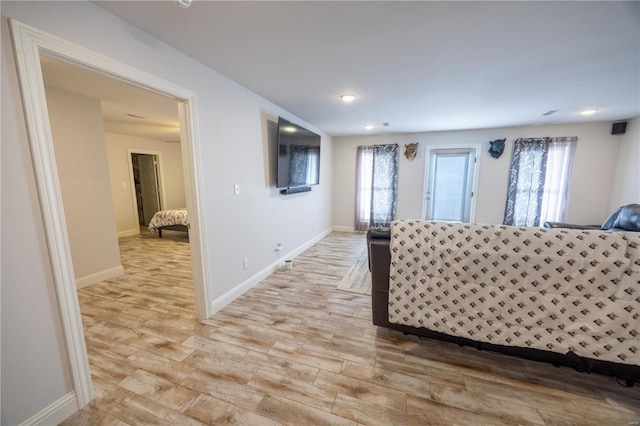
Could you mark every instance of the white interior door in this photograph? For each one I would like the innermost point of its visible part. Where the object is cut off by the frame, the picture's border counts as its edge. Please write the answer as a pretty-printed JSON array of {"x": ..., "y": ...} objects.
[
  {"x": 450, "y": 183},
  {"x": 149, "y": 188}
]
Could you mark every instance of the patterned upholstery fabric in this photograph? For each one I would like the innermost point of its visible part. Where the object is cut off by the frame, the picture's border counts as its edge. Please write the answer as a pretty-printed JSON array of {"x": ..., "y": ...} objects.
[{"x": 551, "y": 289}]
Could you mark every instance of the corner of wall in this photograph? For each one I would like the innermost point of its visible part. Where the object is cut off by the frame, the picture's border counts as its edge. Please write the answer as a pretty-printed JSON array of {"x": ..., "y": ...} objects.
[{"x": 625, "y": 188}]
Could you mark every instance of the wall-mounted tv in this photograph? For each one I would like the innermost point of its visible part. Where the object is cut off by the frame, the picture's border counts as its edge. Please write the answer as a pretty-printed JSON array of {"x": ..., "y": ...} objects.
[{"x": 298, "y": 156}]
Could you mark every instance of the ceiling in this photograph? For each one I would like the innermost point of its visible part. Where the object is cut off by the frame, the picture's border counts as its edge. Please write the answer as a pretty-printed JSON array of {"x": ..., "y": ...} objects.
[
  {"x": 418, "y": 66},
  {"x": 126, "y": 109}
]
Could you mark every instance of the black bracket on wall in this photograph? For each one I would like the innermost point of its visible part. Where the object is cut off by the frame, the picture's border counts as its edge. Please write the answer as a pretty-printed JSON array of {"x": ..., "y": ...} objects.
[{"x": 295, "y": 190}]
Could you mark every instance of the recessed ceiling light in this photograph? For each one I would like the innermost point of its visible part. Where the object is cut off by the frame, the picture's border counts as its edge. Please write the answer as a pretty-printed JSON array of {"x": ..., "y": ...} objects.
[
  {"x": 369, "y": 126},
  {"x": 589, "y": 111},
  {"x": 348, "y": 97}
]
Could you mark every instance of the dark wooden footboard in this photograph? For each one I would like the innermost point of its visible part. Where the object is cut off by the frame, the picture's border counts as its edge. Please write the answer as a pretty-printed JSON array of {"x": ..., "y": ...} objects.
[{"x": 182, "y": 228}]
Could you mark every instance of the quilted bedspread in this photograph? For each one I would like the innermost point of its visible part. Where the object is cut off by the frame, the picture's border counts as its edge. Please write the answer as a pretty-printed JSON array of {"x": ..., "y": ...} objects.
[
  {"x": 169, "y": 217},
  {"x": 550, "y": 289}
]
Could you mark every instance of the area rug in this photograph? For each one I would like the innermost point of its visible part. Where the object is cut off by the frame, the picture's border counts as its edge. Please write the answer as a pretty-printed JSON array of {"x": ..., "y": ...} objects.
[{"x": 358, "y": 279}]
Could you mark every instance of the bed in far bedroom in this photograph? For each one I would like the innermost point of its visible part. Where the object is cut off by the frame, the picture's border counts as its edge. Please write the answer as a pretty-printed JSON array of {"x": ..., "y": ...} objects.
[{"x": 172, "y": 220}]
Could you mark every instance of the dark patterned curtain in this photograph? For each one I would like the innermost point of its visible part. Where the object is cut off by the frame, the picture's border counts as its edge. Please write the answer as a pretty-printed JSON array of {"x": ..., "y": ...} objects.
[
  {"x": 376, "y": 185},
  {"x": 385, "y": 185},
  {"x": 526, "y": 182}
]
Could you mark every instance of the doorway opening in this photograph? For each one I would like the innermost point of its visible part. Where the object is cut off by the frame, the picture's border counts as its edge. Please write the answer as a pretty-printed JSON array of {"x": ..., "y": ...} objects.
[
  {"x": 30, "y": 44},
  {"x": 146, "y": 184},
  {"x": 104, "y": 151},
  {"x": 450, "y": 182}
]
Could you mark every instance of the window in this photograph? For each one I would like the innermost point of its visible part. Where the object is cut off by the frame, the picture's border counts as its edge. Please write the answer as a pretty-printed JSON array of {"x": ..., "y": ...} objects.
[
  {"x": 376, "y": 185},
  {"x": 450, "y": 181},
  {"x": 539, "y": 181}
]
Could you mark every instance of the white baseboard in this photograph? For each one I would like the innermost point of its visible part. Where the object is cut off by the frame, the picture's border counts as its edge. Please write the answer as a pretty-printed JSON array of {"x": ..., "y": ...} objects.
[
  {"x": 99, "y": 276},
  {"x": 55, "y": 413},
  {"x": 128, "y": 232},
  {"x": 343, "y": 228},
  {"x": 239, "y": 290},
  {"x": 295, "y": 252}
]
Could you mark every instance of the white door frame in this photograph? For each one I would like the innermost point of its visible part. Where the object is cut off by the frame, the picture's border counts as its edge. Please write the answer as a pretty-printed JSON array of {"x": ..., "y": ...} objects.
[
  {"x": 29, "y": 44},
  {"x": 132, "y": 183},
  {"x": 476, "y": 174}
]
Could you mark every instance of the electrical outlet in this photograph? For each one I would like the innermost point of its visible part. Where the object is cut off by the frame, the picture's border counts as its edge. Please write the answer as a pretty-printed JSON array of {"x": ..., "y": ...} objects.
[
  {"x": 245, "y": 263},
  {"x": 236, "y": 189},
  {"x": 278, "y": 246}
]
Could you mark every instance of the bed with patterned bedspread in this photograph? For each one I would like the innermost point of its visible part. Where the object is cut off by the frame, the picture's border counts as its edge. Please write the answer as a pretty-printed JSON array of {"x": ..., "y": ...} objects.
[{"x": 173, "y": 220}]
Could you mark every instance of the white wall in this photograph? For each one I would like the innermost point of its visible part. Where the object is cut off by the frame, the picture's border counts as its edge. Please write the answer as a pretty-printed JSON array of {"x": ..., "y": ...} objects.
[
  {"x": 35, "y": 371},
  {"x": 119, "y": 163},
  {"x": 81, "y": 159},
  {"x": 626, "y": 183},
  {"x": 232, "y": 131},
  {"x": 590, "y": 192}
]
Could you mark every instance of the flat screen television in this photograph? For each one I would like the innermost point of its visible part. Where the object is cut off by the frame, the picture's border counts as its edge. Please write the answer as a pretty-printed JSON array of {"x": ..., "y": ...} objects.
[{"x": 298, "y": 156}]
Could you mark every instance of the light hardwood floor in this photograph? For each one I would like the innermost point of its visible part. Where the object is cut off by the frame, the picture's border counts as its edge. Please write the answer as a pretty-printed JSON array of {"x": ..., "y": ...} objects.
[{"x": 294, "y": 350}]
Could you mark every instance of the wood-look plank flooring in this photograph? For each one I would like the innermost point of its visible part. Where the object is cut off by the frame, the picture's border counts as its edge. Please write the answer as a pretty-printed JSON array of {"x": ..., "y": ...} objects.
[{"x": 294, "y": 350}]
